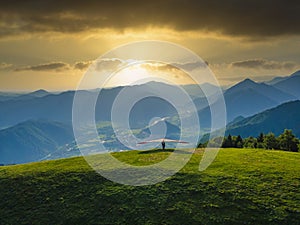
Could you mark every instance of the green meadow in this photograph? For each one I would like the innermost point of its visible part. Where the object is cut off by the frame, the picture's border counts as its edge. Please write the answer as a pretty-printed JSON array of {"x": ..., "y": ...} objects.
[{"x": 242, "y": 186}]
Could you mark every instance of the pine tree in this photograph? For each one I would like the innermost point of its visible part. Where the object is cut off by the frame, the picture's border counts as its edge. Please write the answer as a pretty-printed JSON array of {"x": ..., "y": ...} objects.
[
  {"x": 227, "y": 142},
  {"x": 239, "y": 141}
]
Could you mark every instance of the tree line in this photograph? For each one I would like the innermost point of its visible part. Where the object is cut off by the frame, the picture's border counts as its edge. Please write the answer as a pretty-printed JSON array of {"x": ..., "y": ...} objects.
[{"x": 286, "y": 141}]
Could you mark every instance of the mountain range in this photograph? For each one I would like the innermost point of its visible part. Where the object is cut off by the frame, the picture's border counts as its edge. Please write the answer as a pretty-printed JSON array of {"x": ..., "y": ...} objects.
[
  {"x": 248, "y": 97},
  {"x": 33, "y": 140},
  {"x": 5, "y": 96},
  {"x": 37, "y": 125},
  {"x": 243, "y": 99}
]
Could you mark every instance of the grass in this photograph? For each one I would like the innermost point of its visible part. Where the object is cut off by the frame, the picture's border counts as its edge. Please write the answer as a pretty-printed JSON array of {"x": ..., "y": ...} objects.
[{"x": 240, "y": 187}]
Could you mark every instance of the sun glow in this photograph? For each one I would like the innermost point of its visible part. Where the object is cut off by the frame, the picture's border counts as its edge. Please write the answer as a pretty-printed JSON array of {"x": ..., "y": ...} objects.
[
  {"x": 129, "y": 75},
  {"x": 139, "y": 73}
]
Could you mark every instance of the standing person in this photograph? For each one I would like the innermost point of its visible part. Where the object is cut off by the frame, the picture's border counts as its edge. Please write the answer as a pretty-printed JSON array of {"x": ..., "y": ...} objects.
[{"x": 163, "y": 144}]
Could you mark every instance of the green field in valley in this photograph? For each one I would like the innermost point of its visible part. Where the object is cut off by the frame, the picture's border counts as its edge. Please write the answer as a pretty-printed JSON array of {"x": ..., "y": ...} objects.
[{"x": 242, "y": 186}]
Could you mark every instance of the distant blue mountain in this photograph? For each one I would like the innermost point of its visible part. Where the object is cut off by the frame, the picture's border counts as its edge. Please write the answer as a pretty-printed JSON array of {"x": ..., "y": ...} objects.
[
  {"x": 248, "y": 98},
  {"x": 245, "y": 99},
  {"x": 36, "y": 94},
  {"x": 290, "y": 85},
  {"x": 5, "y": 96},
  {"x": 275, "y": 80},
  {"x": 51, "y": 107},
  {"x": 58, "y": 107},
  {"x": 33, "y": 140},
  {"x": 284, "y": 116},
  {"x": 201, "y": 91},
  {"x": 29, "y": 133}
]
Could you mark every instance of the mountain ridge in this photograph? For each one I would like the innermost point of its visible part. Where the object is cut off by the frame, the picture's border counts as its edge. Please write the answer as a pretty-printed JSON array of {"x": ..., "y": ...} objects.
[
  {"x": 32, "y": 140},
  {"x": 275, "y": 120}
]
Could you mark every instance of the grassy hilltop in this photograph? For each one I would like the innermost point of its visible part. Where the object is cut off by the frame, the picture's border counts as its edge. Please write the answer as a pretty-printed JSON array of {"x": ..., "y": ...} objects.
[{"x": 239, "y": 187}]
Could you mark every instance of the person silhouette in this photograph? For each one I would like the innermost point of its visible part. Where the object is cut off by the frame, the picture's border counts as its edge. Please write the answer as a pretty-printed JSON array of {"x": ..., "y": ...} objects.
[{"x": 163, "y": 144}]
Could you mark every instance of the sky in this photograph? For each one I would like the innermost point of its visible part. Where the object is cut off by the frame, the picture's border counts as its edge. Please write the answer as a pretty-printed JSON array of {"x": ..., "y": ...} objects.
[{"x": 50, "y": 44}]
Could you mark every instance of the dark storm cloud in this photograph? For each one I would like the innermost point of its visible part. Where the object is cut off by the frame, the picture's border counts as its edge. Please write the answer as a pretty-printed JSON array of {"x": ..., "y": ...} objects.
[
  {"x": 253, "y": 18},
  {"x": 53, "y": 66},
  {"x": 263, "y": 64}
]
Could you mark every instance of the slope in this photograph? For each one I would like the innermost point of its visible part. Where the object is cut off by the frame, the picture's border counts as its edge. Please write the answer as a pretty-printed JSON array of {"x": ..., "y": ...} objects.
[
  {"x": 290, "y": 85},
  {"x": 275, "y": 80},
  {"x": 32, "y": 140},
  {"x": 240, "y": 187},
  {"x": 284, "y": 116},
  {"x": 248, "y": 98}
]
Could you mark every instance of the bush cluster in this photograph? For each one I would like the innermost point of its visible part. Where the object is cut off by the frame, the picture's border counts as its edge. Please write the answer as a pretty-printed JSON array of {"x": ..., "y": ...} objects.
[{"x": 286, "y": 141}]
